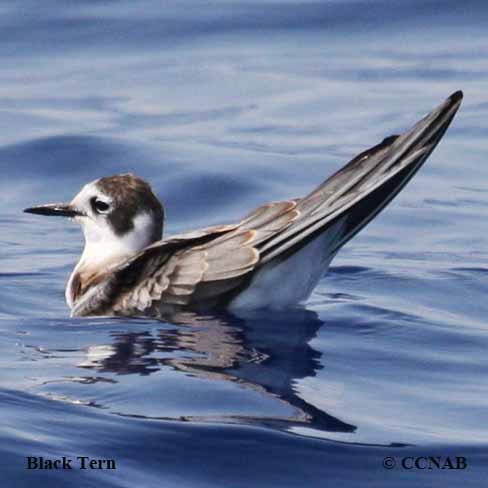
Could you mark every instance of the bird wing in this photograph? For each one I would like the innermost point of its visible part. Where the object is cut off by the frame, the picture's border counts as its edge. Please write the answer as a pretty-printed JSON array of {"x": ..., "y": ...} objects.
[{"x": 362, "y": 188}]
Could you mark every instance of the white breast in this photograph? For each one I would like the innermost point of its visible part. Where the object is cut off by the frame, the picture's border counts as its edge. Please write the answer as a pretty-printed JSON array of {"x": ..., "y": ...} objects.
[{"x": 104, "y": 248}]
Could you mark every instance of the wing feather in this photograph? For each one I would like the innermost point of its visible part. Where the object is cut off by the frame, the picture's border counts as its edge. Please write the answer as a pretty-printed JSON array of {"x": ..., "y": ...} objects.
[{"x": 396, "y": 159}]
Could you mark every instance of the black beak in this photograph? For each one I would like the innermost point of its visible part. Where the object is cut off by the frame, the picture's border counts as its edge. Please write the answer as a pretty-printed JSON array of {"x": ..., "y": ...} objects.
[{"x": 58, "y": 209}]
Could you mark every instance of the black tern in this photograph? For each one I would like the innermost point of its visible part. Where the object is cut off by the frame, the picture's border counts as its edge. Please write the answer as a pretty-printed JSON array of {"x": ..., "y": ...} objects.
[{"x": 273, "y": 257}]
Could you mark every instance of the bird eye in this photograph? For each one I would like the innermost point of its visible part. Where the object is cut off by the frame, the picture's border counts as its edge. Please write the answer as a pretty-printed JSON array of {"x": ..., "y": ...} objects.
[{"x": 99, "y": 206}]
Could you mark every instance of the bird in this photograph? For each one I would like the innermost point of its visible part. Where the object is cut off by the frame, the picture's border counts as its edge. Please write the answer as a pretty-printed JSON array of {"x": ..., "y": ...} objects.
[{"x": 272, "y": 258}]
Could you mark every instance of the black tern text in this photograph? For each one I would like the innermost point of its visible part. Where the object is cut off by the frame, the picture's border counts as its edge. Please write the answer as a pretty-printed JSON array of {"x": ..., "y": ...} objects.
[{"x": 64, "y": 462}]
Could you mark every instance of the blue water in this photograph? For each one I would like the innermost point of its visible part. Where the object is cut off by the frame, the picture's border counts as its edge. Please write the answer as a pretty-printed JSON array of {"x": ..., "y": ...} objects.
[{"x": 222, "y": 106}]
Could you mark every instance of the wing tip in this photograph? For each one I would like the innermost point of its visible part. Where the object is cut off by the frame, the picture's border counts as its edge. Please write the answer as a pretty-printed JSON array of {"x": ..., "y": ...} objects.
[{"x": 456, "y": 97}]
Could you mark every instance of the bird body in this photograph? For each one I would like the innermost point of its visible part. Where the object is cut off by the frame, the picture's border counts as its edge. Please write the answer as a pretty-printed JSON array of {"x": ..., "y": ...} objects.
[{"x": 274, "y": 257}]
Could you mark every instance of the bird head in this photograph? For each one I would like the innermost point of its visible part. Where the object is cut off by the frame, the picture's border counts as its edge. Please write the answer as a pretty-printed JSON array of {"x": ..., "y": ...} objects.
[{"x": 118, "y": 212}]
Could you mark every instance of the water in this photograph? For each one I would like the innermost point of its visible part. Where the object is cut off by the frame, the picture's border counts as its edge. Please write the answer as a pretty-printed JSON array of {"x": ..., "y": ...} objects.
[{"x": 221, "y": 106}]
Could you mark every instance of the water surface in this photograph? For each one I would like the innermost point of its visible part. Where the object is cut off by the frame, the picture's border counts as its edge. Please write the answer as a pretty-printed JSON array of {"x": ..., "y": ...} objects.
[{"x": 221, "y": 106}]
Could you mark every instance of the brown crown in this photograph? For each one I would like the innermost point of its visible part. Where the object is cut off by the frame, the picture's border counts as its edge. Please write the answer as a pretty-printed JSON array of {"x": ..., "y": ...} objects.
[{"x": 131, "y": 195}]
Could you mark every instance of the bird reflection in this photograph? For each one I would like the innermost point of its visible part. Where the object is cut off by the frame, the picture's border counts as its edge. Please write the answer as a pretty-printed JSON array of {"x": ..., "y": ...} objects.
[{"x": 263, "y": 352}]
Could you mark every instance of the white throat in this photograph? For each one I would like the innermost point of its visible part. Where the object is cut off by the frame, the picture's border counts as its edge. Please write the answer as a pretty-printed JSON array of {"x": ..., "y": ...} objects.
[{"x": 104, "y": 248}]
